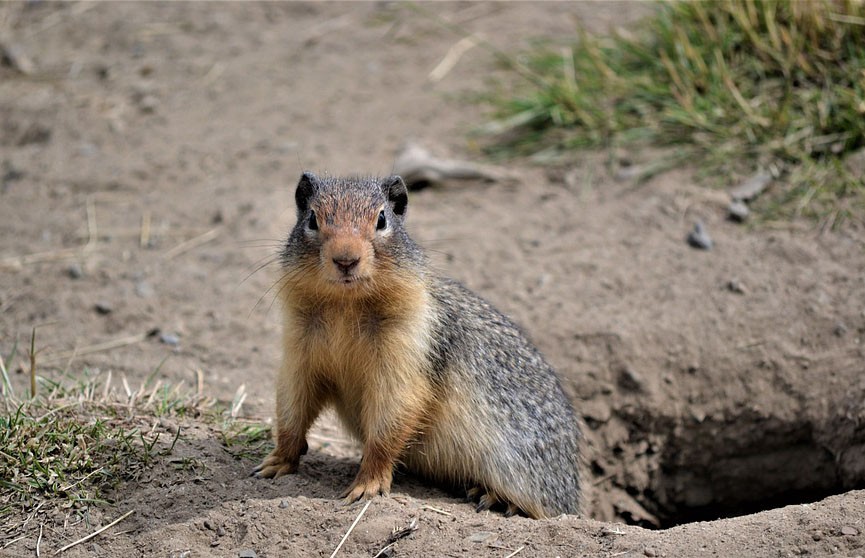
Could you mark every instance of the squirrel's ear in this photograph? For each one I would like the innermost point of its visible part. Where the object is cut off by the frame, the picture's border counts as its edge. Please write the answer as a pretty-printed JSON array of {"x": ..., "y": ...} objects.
[
  {"x": 306, "y": 187},
  {"x": 396, "y": 192}
]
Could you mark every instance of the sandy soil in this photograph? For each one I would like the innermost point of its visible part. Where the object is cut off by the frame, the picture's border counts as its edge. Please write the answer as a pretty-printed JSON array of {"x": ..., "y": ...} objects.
[{"x": 712, "y": 384}]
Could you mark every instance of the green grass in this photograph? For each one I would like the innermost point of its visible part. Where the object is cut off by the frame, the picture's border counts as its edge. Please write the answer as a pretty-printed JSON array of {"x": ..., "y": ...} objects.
[
  {"x": 246, "y": 440},
  {"x": 731, "y": 87},
  {"x": 64, "y": 448},
  {"x": 67, "y": 448}
]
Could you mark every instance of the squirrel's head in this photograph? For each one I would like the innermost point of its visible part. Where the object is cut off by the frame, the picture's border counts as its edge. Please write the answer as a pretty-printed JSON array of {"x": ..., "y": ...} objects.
[{"x": 349, "y": 233}]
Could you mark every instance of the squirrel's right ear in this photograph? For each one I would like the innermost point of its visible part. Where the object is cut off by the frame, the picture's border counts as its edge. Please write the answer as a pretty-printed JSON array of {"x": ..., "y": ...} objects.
[
  {"x": 306, "y": 187},
  {"x": 396, "y": 192}
]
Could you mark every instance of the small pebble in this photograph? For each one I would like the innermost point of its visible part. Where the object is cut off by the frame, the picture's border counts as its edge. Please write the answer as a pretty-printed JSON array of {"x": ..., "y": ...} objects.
[
  {"x": 220, "y": 531},
  {"x": 36, "y": 133},
  {"x": 148, "y": 104},
  {"x": 169, "y": 339},
  {"x": 87, "y": 149},
  {"x": 840, "y": 329},
  {"x": 14, "y": 56},
  {"x": 738, "y": 211},
  {"x": 736, "y": 286},
  {"x": 752, "y": 187},
  {"x": 74, "y": 271},
  {"x": 143, "y": 289},
  {"x": 650, "y": 552},
  {"x": 11, "y": 173},
  {"x": 247, "y": 553},
  {"x": 630, "y": 380},
  {"x": 103, "y": 308},
  {"x": 481, "y": 536},
  {"x": 283, "y": 504},
  {"x": 849, "y": 531},
  {"x": 699, "y": 238}
]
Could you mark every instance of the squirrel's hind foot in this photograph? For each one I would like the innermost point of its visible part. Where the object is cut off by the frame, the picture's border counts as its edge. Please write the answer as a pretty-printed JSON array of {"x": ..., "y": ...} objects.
[{"x": 490, "y": 500}]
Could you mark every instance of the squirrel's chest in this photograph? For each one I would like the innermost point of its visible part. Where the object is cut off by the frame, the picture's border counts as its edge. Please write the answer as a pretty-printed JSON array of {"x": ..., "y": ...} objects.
[{"x": 347, "y": 341}]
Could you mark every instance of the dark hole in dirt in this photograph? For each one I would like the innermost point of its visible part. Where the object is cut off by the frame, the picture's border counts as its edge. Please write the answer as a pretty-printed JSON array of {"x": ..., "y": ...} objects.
[{"x": 681, "y": 472}]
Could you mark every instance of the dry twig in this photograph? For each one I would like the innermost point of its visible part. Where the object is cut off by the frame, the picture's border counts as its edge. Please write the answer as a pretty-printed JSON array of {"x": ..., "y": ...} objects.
[
  {"x": 98, "y": 347},
  {"x": 436, "y": 510},
  {"x": 451, "y": 58},
  {"x": 96, "y": 532},
  {"x": 350, "y": 529},
  {"x": 188, "y": 245}
]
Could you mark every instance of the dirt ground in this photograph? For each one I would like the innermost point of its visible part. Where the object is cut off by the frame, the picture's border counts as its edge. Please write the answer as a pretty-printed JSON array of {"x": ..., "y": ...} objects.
[{"x": 148, "y": 161}]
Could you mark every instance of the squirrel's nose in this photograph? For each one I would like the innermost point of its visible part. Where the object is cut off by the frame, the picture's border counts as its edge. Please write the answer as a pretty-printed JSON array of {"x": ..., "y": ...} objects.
[{"x": 346, "y": 264}]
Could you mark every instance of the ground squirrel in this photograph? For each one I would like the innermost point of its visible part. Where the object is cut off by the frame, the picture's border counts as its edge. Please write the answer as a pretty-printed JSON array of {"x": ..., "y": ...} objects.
[{"x": 420, "y": 370}]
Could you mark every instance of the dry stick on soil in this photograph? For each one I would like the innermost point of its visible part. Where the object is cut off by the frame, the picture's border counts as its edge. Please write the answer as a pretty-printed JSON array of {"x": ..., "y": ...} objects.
[
  {"x": 144, "y": 236},
  {"x": 15, "y": 263},
  {"x": 98, "y": 347},
  {"x": 350, "y": 529},
  {"x": 96, "y": 532},
  {"x": 430, "y": 508},
  {"x": 511, "y": 61},
  {"x": 515, "y": 552},
  {"x": 191, "y": 243},
  {"x": 39, "y": 540},
  {"x": 451, "y": 58},
  {"x": 13, "y": 541},
  {"x": 33, "y": 363},
  {"x": 92, "y": 229}
]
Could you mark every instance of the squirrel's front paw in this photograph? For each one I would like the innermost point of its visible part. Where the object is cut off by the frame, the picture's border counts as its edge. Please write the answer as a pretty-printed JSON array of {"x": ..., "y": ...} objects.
[
  {"x": 366, "y": 488},
  {"x": 275, "y": 465}
]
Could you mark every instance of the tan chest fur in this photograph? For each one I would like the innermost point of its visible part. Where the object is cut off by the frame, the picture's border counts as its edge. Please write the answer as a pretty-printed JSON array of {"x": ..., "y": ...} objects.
[{"x": 364, "y": 356}]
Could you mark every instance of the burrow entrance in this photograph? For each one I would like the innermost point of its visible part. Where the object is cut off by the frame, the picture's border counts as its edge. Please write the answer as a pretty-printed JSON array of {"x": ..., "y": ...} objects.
[{"x": 659, "y": 472}]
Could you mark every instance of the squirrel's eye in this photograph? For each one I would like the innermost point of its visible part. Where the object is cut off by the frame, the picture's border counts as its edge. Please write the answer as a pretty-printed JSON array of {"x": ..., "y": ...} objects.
[
  {"x": 382, "y": 221},
  {"x": 313, "y": 222}
]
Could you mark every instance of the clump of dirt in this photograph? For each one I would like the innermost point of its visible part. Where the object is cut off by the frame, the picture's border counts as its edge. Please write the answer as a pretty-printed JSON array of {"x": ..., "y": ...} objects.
[{"x": 148, "y": 164}]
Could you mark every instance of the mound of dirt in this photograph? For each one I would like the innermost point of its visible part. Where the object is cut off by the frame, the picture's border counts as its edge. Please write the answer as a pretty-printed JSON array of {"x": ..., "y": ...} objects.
[{"x": 149, "y": 154}]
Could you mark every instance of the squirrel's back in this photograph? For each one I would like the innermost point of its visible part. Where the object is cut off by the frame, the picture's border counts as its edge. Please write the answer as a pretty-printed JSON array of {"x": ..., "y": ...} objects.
[
  {"x": 420, "y": 369},
  {"x": 507, "y": 420}
]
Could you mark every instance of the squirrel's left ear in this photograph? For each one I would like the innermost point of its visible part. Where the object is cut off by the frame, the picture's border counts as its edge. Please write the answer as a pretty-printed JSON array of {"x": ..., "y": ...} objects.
[
  {"x": 306, "y": 187},
  {"x": 396, "y": 193}
]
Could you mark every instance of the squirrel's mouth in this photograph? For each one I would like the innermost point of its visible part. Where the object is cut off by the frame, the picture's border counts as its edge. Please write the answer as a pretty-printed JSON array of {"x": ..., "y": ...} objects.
[{"x": 349, "y": 281}]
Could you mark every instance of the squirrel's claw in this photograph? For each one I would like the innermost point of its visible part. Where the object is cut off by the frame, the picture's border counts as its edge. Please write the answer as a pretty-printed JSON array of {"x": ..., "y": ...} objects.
[
  {"x": 487, "y": 501},
  {"x": 474, "y": 494},
  {"x": 273, "y": 467},
  {"x": 362, "y": 490},
  {"x": 512, "y": 510}
]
